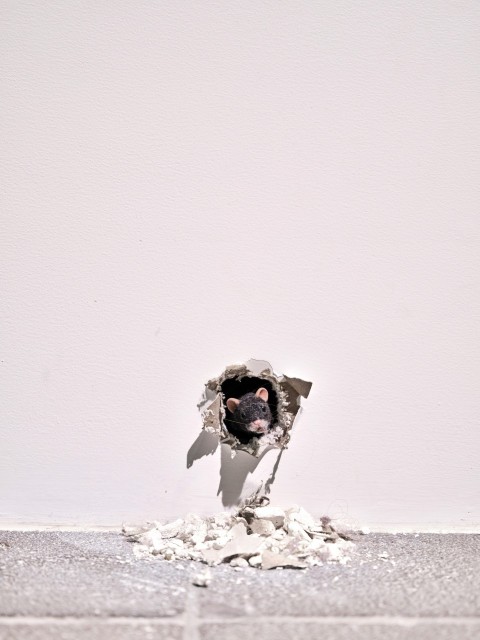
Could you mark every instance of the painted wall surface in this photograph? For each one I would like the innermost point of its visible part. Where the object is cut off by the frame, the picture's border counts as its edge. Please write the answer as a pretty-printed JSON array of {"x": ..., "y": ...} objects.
[{"x": 191, "y": 184}]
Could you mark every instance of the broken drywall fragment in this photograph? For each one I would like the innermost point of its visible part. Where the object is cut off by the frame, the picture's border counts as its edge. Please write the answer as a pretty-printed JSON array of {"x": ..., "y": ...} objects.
[
  {"x": 213, "y": 416},
  {"x": 300, "y": 515},
  {"x": 203, "y": 578},
  {"x": 223, "y": 520},
  {"x": 279, "y": 534},
  {"x": 241, "y": 544},
  {"x": 296, "y": 530},
  {"x": 168, "y": 554},
  {"x": 272, "y": 560},
  {"x": 238, "y": 562},
  {"x": 284, "y": 395},
  {"x": 153, "y": 540},
  {"x": 300, "y": 387},
  {"x": 170, "y": 530},
  {"x": 274, "y": 514},
  {"x": 262, "y": 527},
  {"x": 195, "y": 533}
]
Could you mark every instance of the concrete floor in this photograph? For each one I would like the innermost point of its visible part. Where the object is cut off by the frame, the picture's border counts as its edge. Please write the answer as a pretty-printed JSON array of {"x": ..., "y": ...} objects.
[{"x": 75, "y": 586}]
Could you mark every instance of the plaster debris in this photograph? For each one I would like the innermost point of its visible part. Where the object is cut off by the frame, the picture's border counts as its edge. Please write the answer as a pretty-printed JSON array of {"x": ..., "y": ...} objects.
[
  {"x": 238, "y": 562},
  {"x": 239, "y": 544},
  {"x": 271, "y": 560},
  {"x": 273, "y": 514},
  {"x": 284, "y": 401},
  {"x": 255, "y": 561},
  {"x": 262, "y": 527},
  {"x": 203, "y": 578},
  {"x": 263, "y": 537}
]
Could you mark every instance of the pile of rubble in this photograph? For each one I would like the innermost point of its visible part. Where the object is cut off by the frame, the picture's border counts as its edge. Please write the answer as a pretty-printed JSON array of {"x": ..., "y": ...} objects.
[{"x": 259, "y": 535}]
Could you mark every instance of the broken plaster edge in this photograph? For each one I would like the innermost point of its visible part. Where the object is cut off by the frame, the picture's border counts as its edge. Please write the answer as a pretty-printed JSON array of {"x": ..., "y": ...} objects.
[{"x": 288, "y": 390}]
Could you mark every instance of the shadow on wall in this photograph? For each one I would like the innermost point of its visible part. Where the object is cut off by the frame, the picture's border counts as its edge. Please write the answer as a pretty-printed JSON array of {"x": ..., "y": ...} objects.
[
  {"x": 233, "y": 471},
  {"x": 206, "y": 444}
]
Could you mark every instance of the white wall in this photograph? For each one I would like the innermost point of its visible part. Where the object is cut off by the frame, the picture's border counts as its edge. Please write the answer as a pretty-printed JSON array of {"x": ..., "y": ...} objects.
[{"x": 190, "y": 184}]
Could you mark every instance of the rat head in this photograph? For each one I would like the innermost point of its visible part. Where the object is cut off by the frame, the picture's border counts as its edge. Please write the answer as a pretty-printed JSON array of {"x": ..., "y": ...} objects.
[{"x": 251, "y": 412}]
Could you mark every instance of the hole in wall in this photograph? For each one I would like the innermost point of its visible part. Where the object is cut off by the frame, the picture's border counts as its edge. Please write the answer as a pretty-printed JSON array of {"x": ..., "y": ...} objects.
[{"x": 282, "y": 394}]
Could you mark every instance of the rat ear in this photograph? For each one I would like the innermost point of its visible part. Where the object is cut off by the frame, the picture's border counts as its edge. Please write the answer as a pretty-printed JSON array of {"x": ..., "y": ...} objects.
[
  {"x": 232, "y": 404},
  {"x": 262, "y": 393}
]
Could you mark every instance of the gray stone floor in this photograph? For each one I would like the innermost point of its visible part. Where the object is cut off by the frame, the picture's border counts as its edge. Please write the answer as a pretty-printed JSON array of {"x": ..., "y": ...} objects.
[{"x": 76, "y": 586}]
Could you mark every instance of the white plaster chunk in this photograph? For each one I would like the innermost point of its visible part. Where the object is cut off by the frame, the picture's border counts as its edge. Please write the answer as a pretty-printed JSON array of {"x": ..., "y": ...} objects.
[
  {"x": 221, "y": 542},
  {"x": 238, "y": 562},
  {"x": 241, "y": 544},
  {"x": 296, "y": 530},
  {"x": 170, "y": 530},
  {"x": 223, "y": 520},
  {"x": 153, "y": 540},
  {"x": 262, "y": 527},
  {"x": 300, "y": 515},
  {"x": 272, "y": 560},
  {"x": 274, "y": 514},
  {"x": 168, "y": 554},
  {"x": 203, "y": 578},
  {"x": 279, "y": 534}
]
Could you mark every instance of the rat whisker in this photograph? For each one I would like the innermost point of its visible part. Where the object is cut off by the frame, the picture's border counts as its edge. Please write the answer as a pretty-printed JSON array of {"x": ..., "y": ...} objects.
[{"x": 236, "y": 421}]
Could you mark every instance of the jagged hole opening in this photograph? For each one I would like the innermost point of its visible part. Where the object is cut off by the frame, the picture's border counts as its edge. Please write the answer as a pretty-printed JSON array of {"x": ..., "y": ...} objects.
[{"x": 237, "y": 387}]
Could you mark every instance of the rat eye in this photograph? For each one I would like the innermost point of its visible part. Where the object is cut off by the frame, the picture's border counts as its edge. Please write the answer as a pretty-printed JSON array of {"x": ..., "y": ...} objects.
[
  {"x": 243, "y": 415},
  {"x": 264, "y": 408}
]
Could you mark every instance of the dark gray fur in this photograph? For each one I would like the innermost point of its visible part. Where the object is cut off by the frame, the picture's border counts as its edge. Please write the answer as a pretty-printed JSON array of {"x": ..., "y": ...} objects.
[{"x": 251, "y": 408}]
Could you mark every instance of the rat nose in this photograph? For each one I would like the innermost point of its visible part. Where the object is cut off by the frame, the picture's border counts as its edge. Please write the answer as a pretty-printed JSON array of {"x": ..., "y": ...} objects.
[{"x": 259, "y": 425}]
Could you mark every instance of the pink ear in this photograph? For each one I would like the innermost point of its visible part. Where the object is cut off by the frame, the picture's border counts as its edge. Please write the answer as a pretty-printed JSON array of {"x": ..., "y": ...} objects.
[
  {"x": 262, "y": 393},
  {"x": 232, "y": 404}
]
